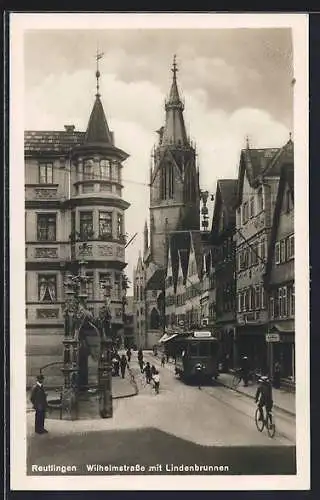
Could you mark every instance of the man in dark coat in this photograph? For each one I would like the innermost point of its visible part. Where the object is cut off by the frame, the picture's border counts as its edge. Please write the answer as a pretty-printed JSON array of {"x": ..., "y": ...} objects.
[{"x": 39, "y": 400}]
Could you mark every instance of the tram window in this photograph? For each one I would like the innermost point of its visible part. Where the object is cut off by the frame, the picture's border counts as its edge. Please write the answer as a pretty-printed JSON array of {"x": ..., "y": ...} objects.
[
  {"x": 204, "y": 349},
  {"x": 193, "y": 349},
  {"x": 213, "y": 348}
]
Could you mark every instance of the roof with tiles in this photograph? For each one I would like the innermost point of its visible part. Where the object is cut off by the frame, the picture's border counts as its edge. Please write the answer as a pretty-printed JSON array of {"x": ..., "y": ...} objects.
[
  {"x": 198, "y": 249},
  {"x": 262, "y": 162},
  {"x": 61, "y": 141}
]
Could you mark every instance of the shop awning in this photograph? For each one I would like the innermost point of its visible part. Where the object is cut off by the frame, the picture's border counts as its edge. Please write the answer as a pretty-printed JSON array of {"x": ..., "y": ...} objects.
[
  {"x": 166, "y": 338},
  {"x": 287, "y": 327}
]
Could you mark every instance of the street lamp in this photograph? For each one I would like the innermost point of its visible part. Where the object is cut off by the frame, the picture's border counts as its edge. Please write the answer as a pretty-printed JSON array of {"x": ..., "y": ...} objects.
[{"x": 105, "y": 362}]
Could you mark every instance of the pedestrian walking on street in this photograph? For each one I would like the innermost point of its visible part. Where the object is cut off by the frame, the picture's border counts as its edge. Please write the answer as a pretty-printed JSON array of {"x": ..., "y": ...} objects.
[
  {"x": 38, "y": 399},
  {"x": 156, "y": 381},
  {"x": 141, "y": 363},
  {"x": 276, "y": 375},
  {"x": 123, "y": 365},
  {"x": 199, "y": 374},
  {"x": 116, "y": 365},
  {"x": 245, "y": 370},
  {"x": 153, "y": 370},
  {"x": 147, "y": 371},
  {"x": 129, "y": 355},
  {"x": 163, "y": 360}
]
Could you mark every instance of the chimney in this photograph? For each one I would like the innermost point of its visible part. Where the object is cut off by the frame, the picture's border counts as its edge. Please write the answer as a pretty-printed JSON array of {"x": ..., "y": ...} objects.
[{"x": 69, "y": 128}]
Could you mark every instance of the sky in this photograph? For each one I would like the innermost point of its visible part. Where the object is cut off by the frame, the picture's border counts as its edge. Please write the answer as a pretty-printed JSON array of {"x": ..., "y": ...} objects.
[{"x": 235, "y": 83}]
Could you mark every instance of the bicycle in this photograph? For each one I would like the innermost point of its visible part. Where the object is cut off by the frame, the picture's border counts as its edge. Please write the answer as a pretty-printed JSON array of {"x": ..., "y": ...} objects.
[
  {"x": 238, "y": 377},
  {"x": 267, "y": 421}
]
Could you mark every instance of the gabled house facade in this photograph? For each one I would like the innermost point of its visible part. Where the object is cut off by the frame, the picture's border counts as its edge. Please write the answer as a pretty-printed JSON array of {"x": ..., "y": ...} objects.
[
  {"x": 193, "y": 280},
  {"x": 222, "y": 234},
  {"x": 279, "y": 278},
  {"x": 259, "y": 173},
  {"x": 139, "y": 304}
]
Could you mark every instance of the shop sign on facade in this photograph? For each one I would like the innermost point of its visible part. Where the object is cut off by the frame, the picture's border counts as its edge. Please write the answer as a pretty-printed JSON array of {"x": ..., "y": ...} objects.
[{"x": 272, "y": 337}]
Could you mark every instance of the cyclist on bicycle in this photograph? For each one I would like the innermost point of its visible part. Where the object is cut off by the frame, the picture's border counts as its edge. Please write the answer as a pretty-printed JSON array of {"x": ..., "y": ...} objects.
[{"x": 264, "y": 395}]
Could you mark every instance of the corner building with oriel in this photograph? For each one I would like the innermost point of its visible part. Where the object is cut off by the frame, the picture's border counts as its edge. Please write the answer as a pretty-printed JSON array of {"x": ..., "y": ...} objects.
[{"x": 74, "y": 212}]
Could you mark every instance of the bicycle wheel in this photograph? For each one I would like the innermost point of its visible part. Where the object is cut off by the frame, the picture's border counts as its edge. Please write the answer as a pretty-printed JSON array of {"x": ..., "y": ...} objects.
[
  {"x": 236, "y": 380},
  {"x": 259, "y": 423},
  {"x": 271, "y": 427}
]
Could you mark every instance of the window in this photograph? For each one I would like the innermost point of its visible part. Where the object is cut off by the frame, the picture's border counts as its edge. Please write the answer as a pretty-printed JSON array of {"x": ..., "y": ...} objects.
[
  {"x": 73, "y": 223},
  {"x": 284, "y": 302},
  {"x": 254, "y": 254},
  {"x": 170, "y": 180},
  {"x": 260, "y": 200},
  {"x": 263, "y": 249},
  {"x": 262, "y": 298},
  {"x": 252, "y": 206},
  {"x": 163, "y": 184},
  {"x": 291, "y": 304},
  {"x": 280, "y": 302},
  {"x": 86, "y": 224},
  {"x": 46, "y": 173},
  {"x": 258, "y": 297},
  {"x": 88, "y": 170},
  {"x": 90, "y": 286},
  {"x": 117, "y": 287},
  {"x": 282, "y": 251},
  {"x": 104, "y": 280},
  {"x": 204, "y": 349},
  {"x": 119, "y": 225},
  {"x": 288, "y": 201},
  {"x": 277, "y": 252},
  {"x": 290, "y": 247},
  {"x": 193, "y": 349},
  {"x": 105, "y": 169},
  {"x": 245, "y": 212},
  {"x": 105, "y": 224},
  {"x": 46, "y": 227},
  {"x": 47, "y": 288},
  {"x": 271, "y": 307}
]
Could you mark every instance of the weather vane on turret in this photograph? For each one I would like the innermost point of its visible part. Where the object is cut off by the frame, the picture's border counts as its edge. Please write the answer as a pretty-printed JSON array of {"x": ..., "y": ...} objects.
[
  {"x": 99, "y": 56},
  {"x": 174, "y": 68}
]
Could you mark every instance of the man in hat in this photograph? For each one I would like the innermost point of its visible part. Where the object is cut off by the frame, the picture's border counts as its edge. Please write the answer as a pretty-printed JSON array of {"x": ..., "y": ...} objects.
[{"x": 39, "y": 400}]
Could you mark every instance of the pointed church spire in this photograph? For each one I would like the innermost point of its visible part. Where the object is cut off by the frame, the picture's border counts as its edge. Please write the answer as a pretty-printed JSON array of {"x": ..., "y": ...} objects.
[
  {"x": 174, "y": 97},
  {"x": 174, "y": 131},
  {"x": 98, "y": 130}
]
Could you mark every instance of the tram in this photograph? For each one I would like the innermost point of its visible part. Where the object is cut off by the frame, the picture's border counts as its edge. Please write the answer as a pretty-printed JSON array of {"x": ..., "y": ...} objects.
[{"x": 199, "y": 346}]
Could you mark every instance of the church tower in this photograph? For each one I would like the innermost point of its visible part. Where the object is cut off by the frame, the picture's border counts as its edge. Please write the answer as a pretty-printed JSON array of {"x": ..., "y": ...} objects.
[{"x": 174, "y": 186}]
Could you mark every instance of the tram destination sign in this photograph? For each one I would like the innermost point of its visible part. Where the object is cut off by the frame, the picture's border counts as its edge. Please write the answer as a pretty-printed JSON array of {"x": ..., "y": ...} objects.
[{"x": 202, "y": 335}]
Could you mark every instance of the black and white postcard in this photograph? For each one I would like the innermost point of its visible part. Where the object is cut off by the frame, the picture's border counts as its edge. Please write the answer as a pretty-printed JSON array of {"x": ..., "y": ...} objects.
[{"x": 159, "y": 310}]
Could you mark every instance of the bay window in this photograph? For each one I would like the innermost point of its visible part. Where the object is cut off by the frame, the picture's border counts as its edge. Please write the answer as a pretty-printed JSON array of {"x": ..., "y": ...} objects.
[
  {"x": 105, "y": 224},
  {"x": 86, "y": 224}
]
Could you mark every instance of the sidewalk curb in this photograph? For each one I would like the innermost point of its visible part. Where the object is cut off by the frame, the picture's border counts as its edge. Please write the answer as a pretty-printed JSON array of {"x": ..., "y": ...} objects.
[
  {"x": 280, "y": 408},
  {"x": 132, "y": 382}
]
